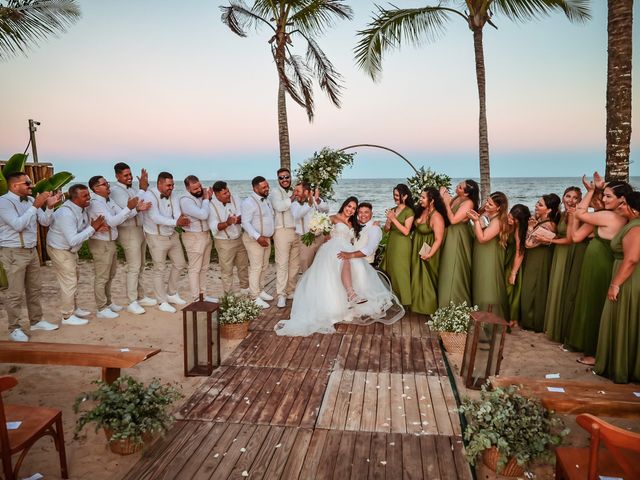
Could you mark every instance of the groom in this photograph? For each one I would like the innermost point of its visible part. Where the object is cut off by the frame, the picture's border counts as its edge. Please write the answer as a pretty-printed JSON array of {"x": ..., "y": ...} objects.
[{"x": 370, "y": 235}]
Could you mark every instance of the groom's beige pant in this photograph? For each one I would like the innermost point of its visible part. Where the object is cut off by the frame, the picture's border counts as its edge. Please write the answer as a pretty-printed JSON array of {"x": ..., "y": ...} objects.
[
  {"x": 286, "y": 243},
  {"x": 258, "y": 264}
]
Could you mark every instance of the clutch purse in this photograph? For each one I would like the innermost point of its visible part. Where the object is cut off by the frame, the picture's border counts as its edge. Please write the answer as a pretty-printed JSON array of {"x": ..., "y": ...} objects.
[
  {"x": 546, "y": 235},
  {"x": 425, "y": 249}
]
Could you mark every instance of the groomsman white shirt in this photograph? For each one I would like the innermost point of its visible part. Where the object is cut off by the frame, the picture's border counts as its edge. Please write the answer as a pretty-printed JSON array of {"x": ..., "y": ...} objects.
[
  {"x": 281, "y": 202},
  {"x": 198, "y": 212},
  {"x": 303, "y": 213},
  {"x": 120, "y": 194},
  {"x": 19, "y": 221},
  {"x": 218, "y": 213},
  {"x": 257, "y": 216},
  {"x": 70, "y": 227},
  {"x": 112, "y": 213},
  {"x": 161, "y": 218},
  {"x": 370, "y": 237}
]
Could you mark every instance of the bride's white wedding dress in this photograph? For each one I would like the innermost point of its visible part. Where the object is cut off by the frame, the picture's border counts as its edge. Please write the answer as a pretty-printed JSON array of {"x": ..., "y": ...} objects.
[{"x": 320, "y": 299}]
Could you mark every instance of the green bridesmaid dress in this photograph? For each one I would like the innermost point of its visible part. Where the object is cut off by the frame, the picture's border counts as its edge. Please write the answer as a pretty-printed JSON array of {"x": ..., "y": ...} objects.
[
  {"x": 424, "y": 275},
  {"x": 553, "y": 317},
  {"x": 513, "y": 291},
  {"x": 454, "y": 276},
  {"x": 535, "y": 285},
  {"x": 487, "y": 277},
  {"x": 618, "y": 352},
  {"x": 571, "y": 282},
  {"x": 595, "y": 277},
  {"x": 397, "y": 259}
]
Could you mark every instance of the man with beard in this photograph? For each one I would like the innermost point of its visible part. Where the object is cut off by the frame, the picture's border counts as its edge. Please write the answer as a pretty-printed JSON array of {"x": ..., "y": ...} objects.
[{"x": 306, "y": 204}]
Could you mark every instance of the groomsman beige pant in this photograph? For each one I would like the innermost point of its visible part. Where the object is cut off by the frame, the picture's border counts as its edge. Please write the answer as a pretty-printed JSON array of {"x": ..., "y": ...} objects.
[
  {"x": 105, "y": 263},
  {"x": 230, "y": 253},
  {"x": 258, "y": 263},
  {"x": 198, "y": 248},
  {"x": 65, "y": 264},
  {"x": 307, "y": 254},
  {"x": 22, "y": 267},
  {"x": 132, "y": 241},
  {"x": 285, "y": 242},
  {"x": 160, "y": 247}
]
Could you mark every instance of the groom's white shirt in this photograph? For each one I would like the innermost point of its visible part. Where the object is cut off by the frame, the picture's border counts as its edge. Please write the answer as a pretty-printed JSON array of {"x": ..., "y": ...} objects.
[
  {"x": 370, "y": 237},
  {"x": 303, "y": 212}
]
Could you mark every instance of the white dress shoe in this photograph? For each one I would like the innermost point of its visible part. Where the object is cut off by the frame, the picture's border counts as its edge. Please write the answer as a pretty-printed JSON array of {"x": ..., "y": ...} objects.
[
  {"x": 18, "y": 336},
  {"x": 43, "y": 325},
  {"x": 74, "y": 320},
  {"x": 147, "y": 302},
  {"x": 80, "y": 312},
  {"x": 282, "y": 301},
  {"x": 107, "y": 313},
  {"x": 135, "y": 308},
  {"x": 115, "y": 308},
  {"x": 245, "y": 291},
  {"x": 265, "y": 296},
  {"x": 261, "y": 303},
  {"x": 166, "y": 307},
  {"x": 175, "y": 299},
  {"x": 209, "y": 298}
]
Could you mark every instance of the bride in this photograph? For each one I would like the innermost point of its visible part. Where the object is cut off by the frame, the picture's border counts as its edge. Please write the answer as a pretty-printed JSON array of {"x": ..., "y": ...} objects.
[{"x": 332, "y": 291}]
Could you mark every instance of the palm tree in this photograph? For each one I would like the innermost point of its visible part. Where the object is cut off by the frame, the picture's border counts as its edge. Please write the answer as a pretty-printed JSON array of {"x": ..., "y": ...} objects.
[
  {"x": 24, "y": 22},
  {"x": 390, "y": 27},
  {"x": 287, "y": 20},
  {"x": 619, "y": 28}
]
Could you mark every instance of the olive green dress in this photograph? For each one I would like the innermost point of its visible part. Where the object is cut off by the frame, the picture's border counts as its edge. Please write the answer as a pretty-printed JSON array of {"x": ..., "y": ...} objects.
[
  {"x": 570, "y": 287},
  {"x": 397, "y": 259},
  {"x": 535, "y": 285},
  {"x": 595, "y": 277},
  {"x": 454, "y": 277},
  {"x": 424, "y": 275},
  {"x": 618, "y": 352},
  {"x": 487, "y": 277},
  {"x": 513, "y": 291}
]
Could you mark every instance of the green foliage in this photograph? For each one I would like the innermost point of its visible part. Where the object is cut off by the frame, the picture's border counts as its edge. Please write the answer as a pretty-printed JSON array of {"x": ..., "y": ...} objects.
[
  {"x": 15, "y": 164},
  {"x": 324, "y": 169},
  {"x": 128, "y": 408},
  {"x": 519, "y": 427},
  {"x": 425, "y": 179},
  {"x": 54, "y": 183},
  {"x": 237, "y": 309},
  {"x": 453, "y": 318}
]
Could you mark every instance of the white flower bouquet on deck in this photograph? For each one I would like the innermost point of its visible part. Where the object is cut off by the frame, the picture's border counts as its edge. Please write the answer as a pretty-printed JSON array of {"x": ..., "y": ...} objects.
[{"x": 320, "y": 224}]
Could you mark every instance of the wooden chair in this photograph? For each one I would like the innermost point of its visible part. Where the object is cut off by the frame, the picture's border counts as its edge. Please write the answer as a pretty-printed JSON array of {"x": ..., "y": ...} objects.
[
  {"x": 620, "y": 457},
  {"x": 36, "y": 423}
]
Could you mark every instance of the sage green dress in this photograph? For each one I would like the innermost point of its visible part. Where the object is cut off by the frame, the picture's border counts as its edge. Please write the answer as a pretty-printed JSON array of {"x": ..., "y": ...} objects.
[
  {"x": 595, "y": 277},
  {"x": 571, "y": 282},
  {"x": 397, "y": 259},
  {"x": 487, "y": 277},
  {"x": 454, "y": 277},
  {"x": 618, "y": 352},
  {"x": 424, "y": 275},
  {"x": 513, "y": 291},
  {"x": 535, "y": 286}
]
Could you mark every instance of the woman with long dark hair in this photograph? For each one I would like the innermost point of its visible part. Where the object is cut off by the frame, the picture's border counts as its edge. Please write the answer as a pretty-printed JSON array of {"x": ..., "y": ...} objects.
[{"x": 518, "y": 220}]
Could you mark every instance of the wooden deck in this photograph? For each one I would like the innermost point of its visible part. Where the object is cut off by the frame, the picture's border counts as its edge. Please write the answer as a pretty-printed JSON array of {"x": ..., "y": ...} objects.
[{"x": 365, "y": 402}]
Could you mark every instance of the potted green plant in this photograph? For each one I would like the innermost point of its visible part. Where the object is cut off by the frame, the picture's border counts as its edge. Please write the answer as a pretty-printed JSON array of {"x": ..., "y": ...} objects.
[
  {"x": 129, "y": 412},
  {"x": 452, "y": 323},
  {"x": 234, "y": 315},
  {"x": 509, "y": 430}
]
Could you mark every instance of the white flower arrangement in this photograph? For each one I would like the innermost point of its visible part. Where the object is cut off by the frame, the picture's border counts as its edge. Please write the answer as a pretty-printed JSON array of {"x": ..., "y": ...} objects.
[
  {"x": 424, "y": 179},
  {"x": 453, "y": 318},
  {"x": 320, "y": 224},
  {"x": 237, "y": 309},
  {"x": 323, "y": 170}
]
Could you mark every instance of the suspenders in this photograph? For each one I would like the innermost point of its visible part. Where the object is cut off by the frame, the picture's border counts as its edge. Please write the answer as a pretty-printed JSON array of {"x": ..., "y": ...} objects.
[
  {"x": 77, "y": 227},
  {"x": 170, "y": 205},
  {"x": 20, "y": 234},
  {"x": 220, "y": 218},
  {"x": 202, "y": 222},
  {"x": 260, "y": 210}
]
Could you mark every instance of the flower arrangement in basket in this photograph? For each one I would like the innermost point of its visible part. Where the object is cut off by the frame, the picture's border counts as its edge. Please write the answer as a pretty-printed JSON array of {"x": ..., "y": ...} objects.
[
  {"x": 320, "y": 224},
  {"x": 424, "y": 179},
  {"x": 452, "y": 323},
  {"x": 234, "y": 314},
  {"x": 323, "y": 170}
]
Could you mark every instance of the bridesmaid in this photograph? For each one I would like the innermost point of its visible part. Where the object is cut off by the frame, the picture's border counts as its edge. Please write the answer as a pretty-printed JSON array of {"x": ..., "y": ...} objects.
[
  {"x": 537, "y": 263},
  {"x": 518, "y": 220},
  {"x": 397, "y": 258},
  {"x": 454, "y": 277},
  {"x": 618, "y": 354},
  {"x": 596, "y": 267},
  {"x": 489, "y": 251},
  {"x": 431, "y": 220}
]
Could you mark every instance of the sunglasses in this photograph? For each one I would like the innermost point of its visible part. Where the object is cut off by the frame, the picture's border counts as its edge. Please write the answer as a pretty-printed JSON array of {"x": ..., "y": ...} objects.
[
  {"x": 105, "y": 184},
  {"x": 284, "y": 177},
  {"x": 28, "y": 183}
]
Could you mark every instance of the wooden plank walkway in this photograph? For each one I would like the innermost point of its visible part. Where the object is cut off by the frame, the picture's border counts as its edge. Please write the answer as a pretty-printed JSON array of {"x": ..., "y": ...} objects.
[{"x": 365, "y": 402}]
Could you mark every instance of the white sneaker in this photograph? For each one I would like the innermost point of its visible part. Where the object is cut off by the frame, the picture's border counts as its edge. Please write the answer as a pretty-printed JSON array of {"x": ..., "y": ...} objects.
[
  {"x": 282, "y": 301},
  {"x": 107, "y": 313},
  {"x": 115, "y": 308},
  {"x": 74, "y": 320},
  {"x": 43, "y": 325},
  {"x": 147, "y": 302},
  {"x": 211, "y": 299},
  {"x": 245, "y": 291},
  {"x": 261, "y": 303},
  {"x": 265, "y": 296},
  {"x": 135, "y": 308},
  {"x": 18, "y": 336},
  {"x": 175, "y": 299},
  {"x": 165, "y": 307},
  {"x": 81, "y": 312}
]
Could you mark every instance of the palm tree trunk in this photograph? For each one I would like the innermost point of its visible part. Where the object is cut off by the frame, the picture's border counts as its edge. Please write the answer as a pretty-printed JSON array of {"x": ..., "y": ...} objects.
[
  {"x": 485, "y": 170},
  {"x": 283, "y": 123},
  {"x": 619, "y": 28}
]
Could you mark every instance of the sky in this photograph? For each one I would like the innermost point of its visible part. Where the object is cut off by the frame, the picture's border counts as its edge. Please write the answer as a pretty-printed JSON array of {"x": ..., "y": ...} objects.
[{"x": 166, "y": 85}]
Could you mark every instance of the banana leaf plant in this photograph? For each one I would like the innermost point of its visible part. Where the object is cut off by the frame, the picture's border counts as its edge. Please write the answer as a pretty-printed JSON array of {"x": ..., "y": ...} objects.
[{"x": 17, "y": 164}]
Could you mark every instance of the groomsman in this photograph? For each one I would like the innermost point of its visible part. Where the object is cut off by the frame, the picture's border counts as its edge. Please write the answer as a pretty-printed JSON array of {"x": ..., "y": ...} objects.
[
  {"x": 103, "y": 244},
  {"x": 196, "y": 238},
  {"x": 225, "y": 223},
  {"x": 370, "y": 235},
  {"x": 284, "y": 238},
  {"x": 19, "y": 217},
  {"x": 257, "y": 222},
  {"x": 71, "y": 226},
  {"x": 307, "y": 202},
  {"x": 160, "y": 223},
  {"x": 131, "y": 236}
]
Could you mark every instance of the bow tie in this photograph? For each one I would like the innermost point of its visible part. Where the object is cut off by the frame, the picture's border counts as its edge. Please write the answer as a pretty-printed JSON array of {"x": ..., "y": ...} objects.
[
  {"x": 24, "y": 199},
  {"x": 262, "y": 199},
  {"x": 362, "y": 225},
  {"x": 166, "y": 197},
  {"x": 128, "y": 186}
]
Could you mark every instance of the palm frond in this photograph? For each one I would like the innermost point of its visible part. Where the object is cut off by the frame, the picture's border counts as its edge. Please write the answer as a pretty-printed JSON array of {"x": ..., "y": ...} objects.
[
  {"x": 523, "y": 10},
  {"x": 299, "y": 78},
  {"x": 315, "y": 16},
  {"x": 329, "y": 79},
  {"x": 389, "y": 29},
  {"x": 267, "y": 8},
  {"x": 23, "y": 23},
  {"x": 238, "y": 17}
]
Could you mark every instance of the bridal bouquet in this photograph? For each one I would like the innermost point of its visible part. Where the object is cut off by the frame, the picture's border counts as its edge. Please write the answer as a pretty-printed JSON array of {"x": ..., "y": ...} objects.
[{"x": 320, "y": 224}]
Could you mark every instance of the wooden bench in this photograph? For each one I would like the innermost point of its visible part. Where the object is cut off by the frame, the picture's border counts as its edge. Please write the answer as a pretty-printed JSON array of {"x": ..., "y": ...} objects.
[
  {"x": 602, "y": 399},
  {"x": 110, "y": 359}
]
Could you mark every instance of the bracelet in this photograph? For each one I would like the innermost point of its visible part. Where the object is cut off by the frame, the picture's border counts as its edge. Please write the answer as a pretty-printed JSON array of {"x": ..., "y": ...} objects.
[{"x": 613, "y": 285}]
